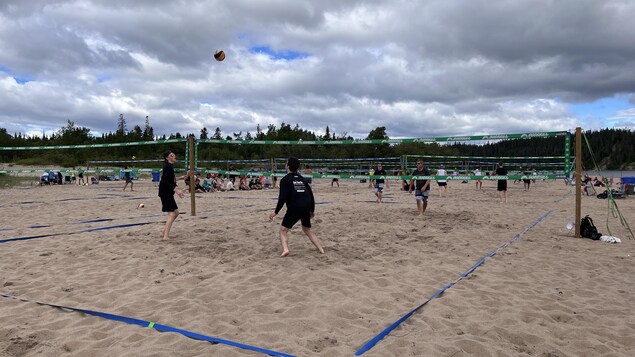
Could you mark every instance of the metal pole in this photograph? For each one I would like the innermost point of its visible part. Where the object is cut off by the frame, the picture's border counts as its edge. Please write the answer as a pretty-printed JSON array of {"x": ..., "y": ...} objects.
[
  {"x": 192, "y": 176},
  {"x": 578, "y": 180}
]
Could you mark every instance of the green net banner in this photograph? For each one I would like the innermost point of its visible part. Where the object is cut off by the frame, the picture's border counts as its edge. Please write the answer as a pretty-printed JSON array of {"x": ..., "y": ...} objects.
[
  {"x": 387, "y": 177},
  {"x": 136, "y": 143},
  {"x": 387, "y": 141}
]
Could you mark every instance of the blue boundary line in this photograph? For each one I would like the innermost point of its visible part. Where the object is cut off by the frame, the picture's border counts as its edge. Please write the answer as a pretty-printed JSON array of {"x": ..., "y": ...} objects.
[
  {"x": 126, "y": 225},
  {"x": 372, "y": 342},
  {"x": 158, "y": 327},
  {"x": 71, "y": 233}
]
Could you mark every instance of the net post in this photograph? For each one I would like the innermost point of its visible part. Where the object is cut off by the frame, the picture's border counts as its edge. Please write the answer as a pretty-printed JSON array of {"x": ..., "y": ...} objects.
[
  {"x": 192, "y": 176},
  {"x": 578, "y": 180}
]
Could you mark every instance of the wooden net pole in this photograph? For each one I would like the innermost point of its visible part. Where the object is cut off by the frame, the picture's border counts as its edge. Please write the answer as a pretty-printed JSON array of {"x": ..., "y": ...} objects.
[
  {"x": 578, "y": 180},
  {"x": 192, "y": 176}
]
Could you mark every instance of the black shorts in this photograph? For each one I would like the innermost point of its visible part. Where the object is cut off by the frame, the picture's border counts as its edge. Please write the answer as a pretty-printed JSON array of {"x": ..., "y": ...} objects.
[
  {"x": 527, "y": 181},
  {"x": 168, "y": 204},
  {"x": 502, "y": 185},
  {"x": 442, "y": 183},
  {"x": 291, "y": 218}
]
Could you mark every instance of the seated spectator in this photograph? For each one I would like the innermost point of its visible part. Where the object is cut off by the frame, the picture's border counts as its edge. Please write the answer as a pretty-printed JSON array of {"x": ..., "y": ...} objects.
[
  {"x": 229, "y": 185},
  {"x": 198, "y": 186},
  {"x": 208, "y": 183},
  {"x": 44, "y": 179},
  {"x": 242, "y": 186},
  {"x": 598, "y": 183}
]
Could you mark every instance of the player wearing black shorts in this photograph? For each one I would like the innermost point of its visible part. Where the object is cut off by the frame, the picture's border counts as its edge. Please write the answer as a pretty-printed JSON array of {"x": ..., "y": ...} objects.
[
  {"x": 501, "y": 170},
  {"x": 379, "y": 183},
  {"x": 296, "y": 193},
  {"x": 421, "y": 187},
  {"x": 167, "y": 189}
]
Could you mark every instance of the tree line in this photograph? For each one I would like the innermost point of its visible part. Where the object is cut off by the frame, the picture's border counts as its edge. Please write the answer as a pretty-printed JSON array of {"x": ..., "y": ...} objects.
[{"x": 613, "y": 149}]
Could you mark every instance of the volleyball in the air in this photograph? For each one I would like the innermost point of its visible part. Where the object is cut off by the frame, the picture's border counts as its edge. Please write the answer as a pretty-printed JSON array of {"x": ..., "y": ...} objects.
[
  {"x": 219, "y": 55},
  {"x": 134, "y": 157}
]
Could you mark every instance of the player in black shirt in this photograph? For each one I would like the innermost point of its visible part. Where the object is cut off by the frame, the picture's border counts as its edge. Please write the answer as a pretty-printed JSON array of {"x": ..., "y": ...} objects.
[
  {"x": 379, "y": 183},
  {"x": 422, "y": 187},
  {"x": 296, "y": 193},
  {"x": 167, "y": 189},
  {"x": 501, "y": 170}
]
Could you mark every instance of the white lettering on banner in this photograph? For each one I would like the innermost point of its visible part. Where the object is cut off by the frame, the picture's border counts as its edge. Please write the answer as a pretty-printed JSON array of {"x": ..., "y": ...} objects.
[
  {"x": 458, "y": 177},
  {"x": 495, "y": 137}
]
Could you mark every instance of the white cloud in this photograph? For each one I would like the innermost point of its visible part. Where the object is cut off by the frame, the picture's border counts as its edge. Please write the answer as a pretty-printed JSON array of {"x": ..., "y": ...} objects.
[{"x": 418, "y": 68}]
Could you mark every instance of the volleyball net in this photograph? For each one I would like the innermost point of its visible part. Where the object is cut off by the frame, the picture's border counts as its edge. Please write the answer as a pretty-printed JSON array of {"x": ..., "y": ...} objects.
[{"x": 551, "y": 167}]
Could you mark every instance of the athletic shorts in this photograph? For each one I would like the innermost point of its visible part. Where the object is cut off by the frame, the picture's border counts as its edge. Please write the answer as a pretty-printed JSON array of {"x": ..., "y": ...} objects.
[
  {"x": 442, "y": 183},
  {"x": 291, "y": 218},
  {"x": 379, "y": 187},
  {"x": 168, "y": 204},
  {"x": 422, "y": 196},
  {"x": 502, "y": 185}
]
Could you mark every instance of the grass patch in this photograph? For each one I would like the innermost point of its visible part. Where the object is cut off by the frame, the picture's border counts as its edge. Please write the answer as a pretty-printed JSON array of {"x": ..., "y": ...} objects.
[{"x": 8, "y": 181}]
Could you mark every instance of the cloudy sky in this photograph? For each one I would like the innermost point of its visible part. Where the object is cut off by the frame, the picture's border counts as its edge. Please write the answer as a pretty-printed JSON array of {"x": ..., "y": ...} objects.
[{"x": 420, "y": 68}]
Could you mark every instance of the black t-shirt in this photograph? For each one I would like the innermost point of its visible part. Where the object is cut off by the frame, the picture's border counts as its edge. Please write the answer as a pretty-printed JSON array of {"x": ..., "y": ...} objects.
[
  {"x": 501, "y": 171},
  {"x": 381, "y": 172},
  {"x": 419, "y": 183},
  {"x": 296, "y": 193},
  {"x": 168, "y": 181}
]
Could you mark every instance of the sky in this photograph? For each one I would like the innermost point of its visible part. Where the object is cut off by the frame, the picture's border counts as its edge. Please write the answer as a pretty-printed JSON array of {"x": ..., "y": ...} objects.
[{"x": 419, "y": 68}]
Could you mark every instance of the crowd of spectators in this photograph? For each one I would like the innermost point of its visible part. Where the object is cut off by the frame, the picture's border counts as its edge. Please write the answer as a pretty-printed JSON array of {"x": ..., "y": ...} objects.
[{"x": 218, "y": 183}]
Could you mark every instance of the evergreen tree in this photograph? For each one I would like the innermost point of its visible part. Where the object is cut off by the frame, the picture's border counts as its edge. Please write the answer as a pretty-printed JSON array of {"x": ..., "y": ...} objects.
[
  {"x": 148, "y": 131},
  {"x": 121, "y": 126},
  {"x": 204, "y": 133},
  {"x": 217, "y": 134}
]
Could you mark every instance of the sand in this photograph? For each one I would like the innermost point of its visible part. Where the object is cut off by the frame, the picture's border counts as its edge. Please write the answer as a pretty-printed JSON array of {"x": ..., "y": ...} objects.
[{"x": 546, "y": 294}]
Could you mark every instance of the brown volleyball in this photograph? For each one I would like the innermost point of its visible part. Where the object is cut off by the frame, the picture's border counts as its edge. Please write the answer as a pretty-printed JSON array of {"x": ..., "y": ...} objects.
[{"x": 219, "y": 55}]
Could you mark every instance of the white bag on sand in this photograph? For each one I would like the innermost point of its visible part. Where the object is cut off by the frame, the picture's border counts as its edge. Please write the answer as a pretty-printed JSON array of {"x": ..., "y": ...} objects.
[{"x": 610, "y": 239}]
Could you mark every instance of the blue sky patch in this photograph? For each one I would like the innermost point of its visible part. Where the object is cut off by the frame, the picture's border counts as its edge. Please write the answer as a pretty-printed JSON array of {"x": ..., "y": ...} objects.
[
  {"x": 20, "y": 80},
  {"x": 603, "y": 110},
  {"x": 288, "y": 55}
]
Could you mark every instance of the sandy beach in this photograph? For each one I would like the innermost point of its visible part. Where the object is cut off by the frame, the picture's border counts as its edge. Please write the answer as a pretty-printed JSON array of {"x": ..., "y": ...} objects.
[{"x": 220, "y": 275}]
